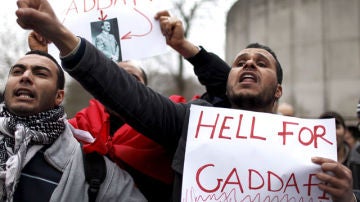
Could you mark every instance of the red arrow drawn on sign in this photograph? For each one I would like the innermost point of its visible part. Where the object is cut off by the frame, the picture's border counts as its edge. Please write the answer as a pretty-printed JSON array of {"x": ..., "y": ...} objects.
[
  {"x": 102, "y": 17},
  {"x": 129, "y": 35}
]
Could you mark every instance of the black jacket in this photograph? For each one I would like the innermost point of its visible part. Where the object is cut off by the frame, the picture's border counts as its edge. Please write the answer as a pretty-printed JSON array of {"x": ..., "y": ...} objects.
[{"x": 150, "y": 113}]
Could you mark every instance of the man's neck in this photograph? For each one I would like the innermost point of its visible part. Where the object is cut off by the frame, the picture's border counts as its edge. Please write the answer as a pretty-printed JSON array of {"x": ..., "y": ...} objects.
[{"x": 256, "y": 109}]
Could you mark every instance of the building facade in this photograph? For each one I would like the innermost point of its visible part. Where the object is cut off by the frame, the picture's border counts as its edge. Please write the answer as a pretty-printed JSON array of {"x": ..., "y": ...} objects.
[{"x": 317, "y": 43}]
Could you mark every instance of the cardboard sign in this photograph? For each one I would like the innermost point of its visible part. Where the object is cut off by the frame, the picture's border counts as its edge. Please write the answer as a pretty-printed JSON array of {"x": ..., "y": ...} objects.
[
  {"x": 236, "y": 155},
  {"x": 122, "y": 30}
]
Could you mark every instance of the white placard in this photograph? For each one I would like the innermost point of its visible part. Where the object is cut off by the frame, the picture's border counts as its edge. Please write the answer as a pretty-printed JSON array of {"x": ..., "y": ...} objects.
[
  {"x": 236, "y": 155},
  {"x": 133, "y": 26}
]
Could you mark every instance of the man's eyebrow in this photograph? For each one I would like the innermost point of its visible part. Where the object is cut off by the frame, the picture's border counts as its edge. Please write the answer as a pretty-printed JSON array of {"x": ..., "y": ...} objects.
[
  {"x": 263, "y": 56},
  {"x": 39, "y": 67},
  {"x": 18, "y": 65},
  {"x": 243, "y": 55},
  {"x": 256, "y": 54},
  {"x": 35, "y": 67}
]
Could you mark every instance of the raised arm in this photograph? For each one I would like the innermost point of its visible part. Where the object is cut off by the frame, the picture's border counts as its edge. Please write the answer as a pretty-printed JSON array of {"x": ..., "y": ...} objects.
[
  {"x": 211, "y": 70},
  {"x": 147, "y": 111}
]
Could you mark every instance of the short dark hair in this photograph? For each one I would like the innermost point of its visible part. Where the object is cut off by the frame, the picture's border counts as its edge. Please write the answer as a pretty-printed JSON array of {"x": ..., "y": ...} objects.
[
  {"x": 137, "y": 65},
  {"x": 331, "y": 114},
  {"x": 102, "y": 23},
  {"x": 60, "y": 72},
  {"x": 279, "y": 72},
  {"x": 354, "y": 130},
  {"x": 144, "y": 76}
]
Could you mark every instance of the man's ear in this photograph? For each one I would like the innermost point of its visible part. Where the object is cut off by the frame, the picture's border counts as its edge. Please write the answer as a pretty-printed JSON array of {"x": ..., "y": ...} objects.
[
  {"x": 59, "y": 97},
  {"x": 278, "y": 92}
]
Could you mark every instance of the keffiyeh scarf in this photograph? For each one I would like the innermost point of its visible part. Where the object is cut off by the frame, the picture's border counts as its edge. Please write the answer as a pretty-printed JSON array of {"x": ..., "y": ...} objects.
[{"x": 17, "y": 135}]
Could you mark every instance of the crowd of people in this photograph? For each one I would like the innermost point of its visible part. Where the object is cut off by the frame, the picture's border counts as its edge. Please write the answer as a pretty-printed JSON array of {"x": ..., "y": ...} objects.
[{"x": 139, "y": 133}]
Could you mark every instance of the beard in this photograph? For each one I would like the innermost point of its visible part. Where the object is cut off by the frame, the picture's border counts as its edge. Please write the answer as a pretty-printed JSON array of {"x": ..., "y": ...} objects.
[{"x": 254, "y": 102}]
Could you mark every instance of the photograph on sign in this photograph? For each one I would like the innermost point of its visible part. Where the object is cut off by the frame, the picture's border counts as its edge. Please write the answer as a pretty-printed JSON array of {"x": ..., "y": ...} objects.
[
  {"x": 132, "y": 33},
  {"x": 103, "y": 37}
]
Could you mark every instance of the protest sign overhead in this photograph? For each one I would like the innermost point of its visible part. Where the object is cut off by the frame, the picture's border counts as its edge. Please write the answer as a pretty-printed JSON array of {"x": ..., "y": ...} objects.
[{"x": 122, "y": 30}]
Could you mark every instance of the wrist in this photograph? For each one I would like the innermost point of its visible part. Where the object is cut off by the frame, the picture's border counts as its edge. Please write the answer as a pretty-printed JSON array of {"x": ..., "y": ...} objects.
[
  {"x": 73, "y": 51},
  {"x": 187, "y": 49},
  {"x": 66, "y": 42}
]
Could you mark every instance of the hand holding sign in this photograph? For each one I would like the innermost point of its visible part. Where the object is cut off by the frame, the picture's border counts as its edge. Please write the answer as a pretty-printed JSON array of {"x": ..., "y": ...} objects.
[
  {"x": 336, "y": 179},
  {"x": 173, "y": 30}
]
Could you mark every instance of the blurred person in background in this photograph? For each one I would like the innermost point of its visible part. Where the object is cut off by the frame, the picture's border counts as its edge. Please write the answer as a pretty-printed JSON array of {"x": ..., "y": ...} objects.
[
  {"x": 286, "y": 109},
  {"x": 347, "y": 156}
]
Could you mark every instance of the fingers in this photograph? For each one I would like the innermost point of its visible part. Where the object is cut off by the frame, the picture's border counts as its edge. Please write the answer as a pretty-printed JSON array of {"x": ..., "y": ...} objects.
[
  {"x": 320, "y": 160},
  {"x": 39, "y": 38},
  {"x": 20, "y": 12},
  {"x": 164, "y": 13},
  {"x": 329, "y": 165},
  {"x": 336, "y": 179},
  {"x": 39, "y": 16},
  {"x": 37, "y": 42},
  {"x": 21, "y": 24},
  {"x": 25, "y": 17},
  {"x": 169, "y": 25},
  {"x": 172, "y": 29},
  {"x": 22, "y": 4}
]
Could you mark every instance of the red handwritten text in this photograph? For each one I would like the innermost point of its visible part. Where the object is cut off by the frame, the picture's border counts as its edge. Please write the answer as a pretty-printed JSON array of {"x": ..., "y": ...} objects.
[
  {"x": 224, "y": 126},
  {"x": 84, "y": 6},
  {"x": 313, "y": 135},
  {"x": 244, "y": 126},
  {"x": 266, "y": 182}
]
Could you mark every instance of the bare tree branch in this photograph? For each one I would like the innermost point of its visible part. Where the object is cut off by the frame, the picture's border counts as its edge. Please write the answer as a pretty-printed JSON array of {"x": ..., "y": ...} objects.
[{"x": 188, "y": 16}]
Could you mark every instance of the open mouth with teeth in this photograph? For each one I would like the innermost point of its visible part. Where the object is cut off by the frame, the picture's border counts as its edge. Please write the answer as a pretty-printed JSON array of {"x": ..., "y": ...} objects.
[
  {"x": 248, "y": 78},
  {"x": 24, "y": 94}
]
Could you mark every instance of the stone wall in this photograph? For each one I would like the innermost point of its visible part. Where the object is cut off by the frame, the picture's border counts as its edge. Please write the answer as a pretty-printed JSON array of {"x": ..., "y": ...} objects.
[{"x": 317, "y": 43}]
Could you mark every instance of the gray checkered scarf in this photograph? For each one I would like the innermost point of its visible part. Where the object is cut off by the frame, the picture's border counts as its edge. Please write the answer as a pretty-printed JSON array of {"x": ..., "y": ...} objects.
[{"x": 17, "y": 135}]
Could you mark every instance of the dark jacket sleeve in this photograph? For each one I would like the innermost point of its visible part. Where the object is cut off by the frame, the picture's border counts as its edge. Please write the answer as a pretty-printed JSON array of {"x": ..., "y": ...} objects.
[
  {"x": 212, "y": 72},
  {"x": 148, "y": 112}
]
